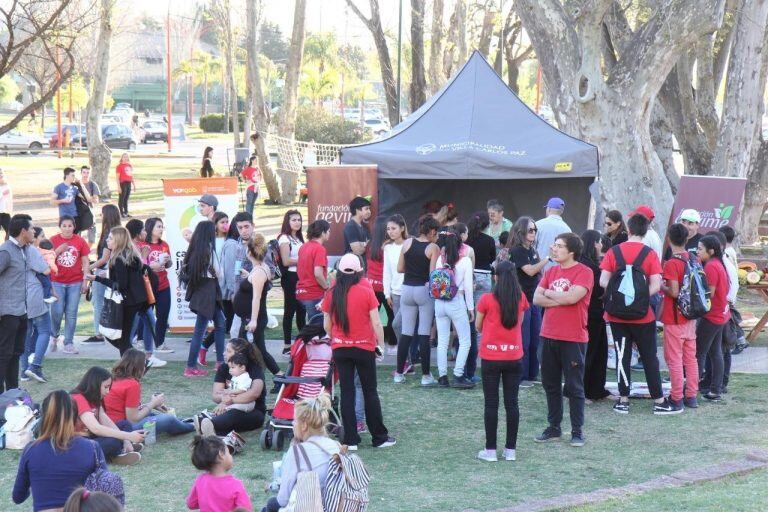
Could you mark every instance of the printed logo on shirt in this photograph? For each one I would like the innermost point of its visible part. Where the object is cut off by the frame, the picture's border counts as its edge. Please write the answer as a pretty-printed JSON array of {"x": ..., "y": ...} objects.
[
  {"x": 503, "y": 348},
  {"x": 560, "y": 285},
  {"x": 68, "y": 258}
]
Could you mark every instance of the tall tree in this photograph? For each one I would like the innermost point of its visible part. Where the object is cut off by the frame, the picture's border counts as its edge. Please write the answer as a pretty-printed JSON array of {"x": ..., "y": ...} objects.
[
  {"x": 436, "y": 77},
  {"x": 99, "y": 155},
  {"x": 209, "y": 69},
  {"x": 418, "y": 88},
  {"x": 382, "y": 49},
  {"x": 287, "y": 125},
  {"x": 222, "y": 12}
]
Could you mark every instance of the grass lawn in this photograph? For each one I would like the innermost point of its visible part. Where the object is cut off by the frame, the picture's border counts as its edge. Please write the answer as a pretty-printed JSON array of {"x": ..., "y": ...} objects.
[{"x": 433, "y": 468}]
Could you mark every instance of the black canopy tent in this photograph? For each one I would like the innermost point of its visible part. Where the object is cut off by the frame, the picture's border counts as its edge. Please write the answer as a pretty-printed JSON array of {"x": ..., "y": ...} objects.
[{"x": 476, "y": 140}]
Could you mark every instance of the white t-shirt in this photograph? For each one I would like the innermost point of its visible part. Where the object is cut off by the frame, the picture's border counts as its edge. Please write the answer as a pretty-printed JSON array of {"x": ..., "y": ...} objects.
[
  {"x": 652, "y": 240},
  {"x": 6, "y": 199},
  {"x": 393, "y": 280},
  {"x": 295, "y": 246},
  {"x": 242, "y": 382},
  {"x": 463, "y": 272}
]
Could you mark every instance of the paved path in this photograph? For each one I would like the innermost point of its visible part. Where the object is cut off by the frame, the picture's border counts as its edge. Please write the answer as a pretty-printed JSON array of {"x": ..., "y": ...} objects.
[{"x": 752, "y": 360}]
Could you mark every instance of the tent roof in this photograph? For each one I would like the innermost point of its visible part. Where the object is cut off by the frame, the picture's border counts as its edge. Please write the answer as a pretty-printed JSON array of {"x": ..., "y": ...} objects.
[{"x": 476, "y": 127}]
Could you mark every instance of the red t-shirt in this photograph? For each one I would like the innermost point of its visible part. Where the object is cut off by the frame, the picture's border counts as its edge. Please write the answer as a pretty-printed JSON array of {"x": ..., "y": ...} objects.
[
  {"x": 252, "y": 175},
  {"x": 360, "y": 301},
  {"x": 717, "y": 278},
  {"x": 651, "y": 267},
  {"x": 567, "y": 323},
  {"x": 312, "y": 254},
  {"x": 155, "y": 253},
  {"x": 123, "y": 393},
  {"x": 83, "y": 406},
  {"x": 497, "y": 342},
  {"x": 124, "y": 173},
  {"x": 70, "y": 261},
  {"x": 376, "y": 274},
  {"x": 674, "y": 270}
]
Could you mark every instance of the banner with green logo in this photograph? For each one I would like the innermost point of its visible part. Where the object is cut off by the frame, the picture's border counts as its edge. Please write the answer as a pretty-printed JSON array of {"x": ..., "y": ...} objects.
[{"x": 717, "y": 199}]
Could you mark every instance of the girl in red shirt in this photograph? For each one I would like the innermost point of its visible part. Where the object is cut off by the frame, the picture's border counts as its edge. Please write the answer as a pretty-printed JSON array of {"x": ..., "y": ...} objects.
[
  {"x": 159, "y": 260},
  {"x": 125, "y": 183},
  {"x": 252, "y": 177},
  {"x": 499, "y": 319},
  {"x": 376, "y": 275}
]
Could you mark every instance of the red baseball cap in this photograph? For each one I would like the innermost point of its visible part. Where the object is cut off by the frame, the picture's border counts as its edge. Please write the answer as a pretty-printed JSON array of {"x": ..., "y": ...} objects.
[{"x": 644, "y": 210}]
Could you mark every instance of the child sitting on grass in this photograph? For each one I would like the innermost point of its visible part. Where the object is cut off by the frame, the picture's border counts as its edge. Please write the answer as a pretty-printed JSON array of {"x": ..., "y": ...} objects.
[
  {"x": 241, "y": 381},
  {"x": 215, "y": 490}
]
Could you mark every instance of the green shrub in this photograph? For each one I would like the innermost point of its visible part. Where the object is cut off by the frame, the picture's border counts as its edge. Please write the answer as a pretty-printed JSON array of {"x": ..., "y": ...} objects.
[
  {"x": 316, "y": 124},
  {"x": 214, "y": 123}
]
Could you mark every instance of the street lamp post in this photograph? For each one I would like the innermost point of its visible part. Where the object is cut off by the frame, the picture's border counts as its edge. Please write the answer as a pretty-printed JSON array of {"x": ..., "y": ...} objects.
[{"x": 168, "y": 75}]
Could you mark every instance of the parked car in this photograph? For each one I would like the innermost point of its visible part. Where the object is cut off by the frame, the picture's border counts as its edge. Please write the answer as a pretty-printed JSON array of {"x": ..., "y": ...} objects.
[
  {"x": 14, "y": 139},
  {"x": 115, "y": 136},
  {"x": 51, "y": 133},
  {"x": 377, "y": 126},
  {"x": 122, "y": 105},
  {"x": 154, "y": 130}
]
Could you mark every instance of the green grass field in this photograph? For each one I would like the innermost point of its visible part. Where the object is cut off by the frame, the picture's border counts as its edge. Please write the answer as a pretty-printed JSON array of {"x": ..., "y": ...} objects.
[{"x": 433, "y": 466}]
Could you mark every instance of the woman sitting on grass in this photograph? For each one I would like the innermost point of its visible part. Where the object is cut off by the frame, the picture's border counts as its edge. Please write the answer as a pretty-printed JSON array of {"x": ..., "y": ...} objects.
[
  {"x": 123, "y": 402},
  {"x": 118, "y": 441},
  {"x": 59, "y": 460}
]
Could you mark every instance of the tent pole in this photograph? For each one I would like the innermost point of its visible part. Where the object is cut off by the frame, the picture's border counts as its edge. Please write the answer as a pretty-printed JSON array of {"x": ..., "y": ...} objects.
[{"x": 399, "y": 55}]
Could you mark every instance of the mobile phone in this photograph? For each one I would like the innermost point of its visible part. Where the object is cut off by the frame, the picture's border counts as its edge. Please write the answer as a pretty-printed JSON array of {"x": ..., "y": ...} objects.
[{"x": 378, "y": 351}]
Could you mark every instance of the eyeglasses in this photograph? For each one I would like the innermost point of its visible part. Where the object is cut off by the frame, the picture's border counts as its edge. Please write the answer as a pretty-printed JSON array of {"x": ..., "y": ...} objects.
[
  {"x": 532, "y": 231},
  {"x": 559, "y": 246}
]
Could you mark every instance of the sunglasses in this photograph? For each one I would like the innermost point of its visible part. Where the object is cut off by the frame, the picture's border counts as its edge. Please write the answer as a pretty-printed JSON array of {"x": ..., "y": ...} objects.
[{"x": 532, "y": 231}]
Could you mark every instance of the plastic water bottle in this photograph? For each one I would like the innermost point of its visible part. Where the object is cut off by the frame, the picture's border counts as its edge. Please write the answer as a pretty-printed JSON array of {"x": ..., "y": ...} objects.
[{"x": 150, "y": 429}]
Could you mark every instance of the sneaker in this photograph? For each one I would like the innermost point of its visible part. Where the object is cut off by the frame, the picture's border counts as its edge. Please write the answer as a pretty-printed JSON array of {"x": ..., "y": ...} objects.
[
  {"x": 577, "y": 440},
  {"x": 195, "y": 372},
  {"x": 154, "y": 362},
  {"x": 690, "y": 402},
  {"x": 549, "y": 434},
  {"x": 201, "y": 357},
  {"x": 361, "y": 428},
  {"x": 462, "y": 383},
  {"x": 70, "y": 349},
  {"x": 54, "y": 342},
  {"x": 94, "y": 340},
  {"x": 738, "y": 349},
  {"x": 127, "y": 459},
  {"x": 666, "y": 407},
  {"x": 476, "y": 379},
  {"x": 137, "y": 447},
  {"x": 408, "y": 369},
  {"x": 35, "y": 373},
  {"x": 162, "y": 349},
  {"x": 509, "y": 454},
  {"x": 487, "y": 455},
  {"x": 442, "y": 382},
  {"x": 428, "y": 380},
  {"x": 526, "y": 384},
  {"x": 50, "y": 300},
  {"x": 23, "y": 378},
  {"x": 712, "y": 397},
  {"x": 351, "y": 447},
  {"x": 196, "y": 421},
  {"x": 637, "y": 366},
  {"x": 391, "y": 441},
  {"x": 287, "y": 350},
  {"x": 206, "y": 427},
  {"x": 399, "y": 378},
  {"x": 621, "y": 407}
]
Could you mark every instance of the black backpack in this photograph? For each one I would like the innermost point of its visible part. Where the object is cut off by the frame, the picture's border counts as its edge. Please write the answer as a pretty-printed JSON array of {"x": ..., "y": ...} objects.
[{"x": 614, "y": 300}]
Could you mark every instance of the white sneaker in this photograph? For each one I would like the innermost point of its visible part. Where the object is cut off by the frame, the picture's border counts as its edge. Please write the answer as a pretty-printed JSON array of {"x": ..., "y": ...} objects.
[
  {"x": 399, "y": 378},
  {"x": 487, "y": 455},
  {"x": 428, "y": 380},
  {"x": 154, "y": 362},
  {"x": 509, "y": 454},
  {"x": 50, "y": 300},
  {"x": 162, "y": 349},
  {"x": 352, "y": 448}
]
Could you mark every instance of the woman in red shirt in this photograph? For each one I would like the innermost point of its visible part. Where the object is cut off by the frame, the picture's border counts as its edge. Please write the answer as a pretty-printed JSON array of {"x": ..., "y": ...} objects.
[
  {"x": 312, "y": 268},
  {"x": 159, "y": 260},
  {"x": 351, "y": 316},
  {"x": 500, "y": 319},
  {"x": 709, "y": 331},
  {"x": 125, "y": 183},
  {"x": 376, "y": 275},
  {"x": 252, "y": 176}
]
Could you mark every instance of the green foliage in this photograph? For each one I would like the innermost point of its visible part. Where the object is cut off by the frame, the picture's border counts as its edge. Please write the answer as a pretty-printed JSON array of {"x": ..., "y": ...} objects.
[
  {"x": 214, "y": 123},
  {"x": 272, "y": 45},
  {"x": 8, "y": 89},
  {"x": 79, "y": 94},
  {"x": 316, "y": 124}
]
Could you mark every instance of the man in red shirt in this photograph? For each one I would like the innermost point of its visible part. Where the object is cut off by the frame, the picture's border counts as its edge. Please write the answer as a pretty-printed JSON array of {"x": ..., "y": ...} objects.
[
  {"x": 641, "y": 331},
  {"x": 564, "y": 291}
]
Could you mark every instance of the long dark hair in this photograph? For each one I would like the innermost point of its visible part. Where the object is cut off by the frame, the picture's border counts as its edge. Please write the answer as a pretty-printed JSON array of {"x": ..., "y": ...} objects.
[
  {"x": 616, "y": 217},
  {"x": 400, "y": 221},
  {"x": 217, "y": 216},
  {"x": 448, "y": 242},
  {"x": 132, "y": 365},
  {"x": 110, "y": 218},
  {"x": 379, "y": 237},
  {"x": 507, "y": 293},
  {"x": 90, "y": 385},
  {"x": 285, "y": 229},
  {"x": 149, "y": 226},
  {"x": 206, "y": 153},
  {"x": 241, "y": 346},
  {"x": 590, "y": 237},
  {"x": 519, "y": 232},
  {"x": 339, "y": 298},
  {"x": 476, "y": 225},
  {"x": 711, "y": 242},
  {"x": 198, "y": 258},
  {"x": 317, "y": 228}
]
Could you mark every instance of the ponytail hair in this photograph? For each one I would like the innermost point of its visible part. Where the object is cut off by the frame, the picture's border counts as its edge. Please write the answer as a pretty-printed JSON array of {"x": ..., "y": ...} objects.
[
  {"x": 449, "y": 244},
  {"x": 314, "y": 414},
  {"x": 507, "y": 293},
  {"x": 344, "y": 282},
  {"x": 711, "y": 243}
]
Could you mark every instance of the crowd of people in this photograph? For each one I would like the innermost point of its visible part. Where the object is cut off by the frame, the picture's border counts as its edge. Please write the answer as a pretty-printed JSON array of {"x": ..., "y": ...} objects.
[{"x": 532, "y": 300}]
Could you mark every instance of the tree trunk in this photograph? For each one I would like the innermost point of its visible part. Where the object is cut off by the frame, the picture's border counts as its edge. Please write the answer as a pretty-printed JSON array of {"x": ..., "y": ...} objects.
[
  {"x": 418, "y": 89},
  {"x": 99, "y": 155},
  {"x": 486, "y": 33},
  {"x": 436, "y": 77},
  {"x": 663, "y": 143},
  {"x": 188, "y": 103},
  {"x": 204, "y": 110},
  {"x": 287, "y": 123}
]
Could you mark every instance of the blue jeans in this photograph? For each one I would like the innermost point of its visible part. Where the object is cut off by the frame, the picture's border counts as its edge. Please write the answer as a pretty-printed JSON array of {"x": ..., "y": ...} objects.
[
  {"x": 46, "y": 283},
  {"x": 310, "y": 308},
  {"x": 530, "y": 330},
  {"x": 201, "y": 325},
  {"x": 66, "y": 308},
  {"x": 166, "y": 424},
  {"x": 97, "y": 301},
  {"x": 483, "y": 284},
  {"x": 145, "y": 320},
  {"x": 38, "y": 335},
  {"x": 250, "y": 200}
]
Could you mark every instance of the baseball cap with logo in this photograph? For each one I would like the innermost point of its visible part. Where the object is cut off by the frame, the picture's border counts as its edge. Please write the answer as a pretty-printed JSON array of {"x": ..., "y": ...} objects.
[
  {"x": 210, "y": 200},
  {"x": 349, "y": 264},
  {"x": 555, "y": 203},
  {"x": 644, "y": 210},
  {"x": 690, "y": 215}
]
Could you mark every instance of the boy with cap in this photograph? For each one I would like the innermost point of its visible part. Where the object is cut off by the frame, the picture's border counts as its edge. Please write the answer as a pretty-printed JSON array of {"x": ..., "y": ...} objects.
[
  {"x": 208, "y": 204},
  {"x": 689, "y": 218},
  {"x": 549, "y": 228},
  {"x": 651, "y": 238}
]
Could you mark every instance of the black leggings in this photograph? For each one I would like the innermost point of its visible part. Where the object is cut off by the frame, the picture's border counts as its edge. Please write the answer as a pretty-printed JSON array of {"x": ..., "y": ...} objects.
[
  {"x": 129, "y": 314},
  {"x": 389, "y": 332},
  {"x": 709, "y": 342},
  {"x": 291, "y": 306},
  {"x": 596, "y": 360},
  {"x": 237, "y": 420},
  {"x": 508, "y": 373},
  {"x": 260, "y": 341},
  {"x": 125, "y": 193}
]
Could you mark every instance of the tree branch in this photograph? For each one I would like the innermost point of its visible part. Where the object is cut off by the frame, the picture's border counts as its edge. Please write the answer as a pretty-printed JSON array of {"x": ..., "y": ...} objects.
[{"x": 589, "y": 17}]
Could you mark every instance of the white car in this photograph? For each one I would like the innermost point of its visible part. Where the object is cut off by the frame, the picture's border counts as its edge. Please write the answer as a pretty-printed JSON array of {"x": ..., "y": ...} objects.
[
  {"x": 377, "y": 126},
  {"x": 14, "y": 139}
]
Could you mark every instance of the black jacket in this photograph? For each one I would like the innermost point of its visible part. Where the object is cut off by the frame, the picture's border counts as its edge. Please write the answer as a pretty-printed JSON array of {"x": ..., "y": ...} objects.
[{"x": 129, "y": 281}]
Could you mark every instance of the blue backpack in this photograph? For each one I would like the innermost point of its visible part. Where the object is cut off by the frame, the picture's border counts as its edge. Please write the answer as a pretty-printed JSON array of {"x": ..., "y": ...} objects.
[{"x": 442, "y": 283}]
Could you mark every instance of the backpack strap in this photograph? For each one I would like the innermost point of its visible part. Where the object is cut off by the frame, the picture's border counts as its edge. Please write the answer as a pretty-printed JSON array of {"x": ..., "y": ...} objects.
[
  {"x": 618, "y": 256},
  {"x": 641, "y": 257},
  {"x": 319, "y": 447}
]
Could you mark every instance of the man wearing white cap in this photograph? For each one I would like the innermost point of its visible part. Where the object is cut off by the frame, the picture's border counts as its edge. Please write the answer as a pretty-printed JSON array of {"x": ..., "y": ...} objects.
[
  {"x": 689, "y": 218},
  {"x": 549, "y": 227}
]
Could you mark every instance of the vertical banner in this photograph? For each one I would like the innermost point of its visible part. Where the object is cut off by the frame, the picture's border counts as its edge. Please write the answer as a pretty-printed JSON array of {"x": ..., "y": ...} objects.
[
  {"x": 717, "y": 199},
  {"x": 182, "y": 214},
  {"x": 331, "y": 188}
]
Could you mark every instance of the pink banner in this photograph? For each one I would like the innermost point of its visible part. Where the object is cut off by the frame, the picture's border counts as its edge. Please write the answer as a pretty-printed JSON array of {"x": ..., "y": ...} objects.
[{"x": 717, "y": 199}]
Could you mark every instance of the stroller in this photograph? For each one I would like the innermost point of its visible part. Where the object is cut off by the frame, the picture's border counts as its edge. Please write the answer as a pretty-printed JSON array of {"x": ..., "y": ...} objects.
[{"x": 310, "y": 372}]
